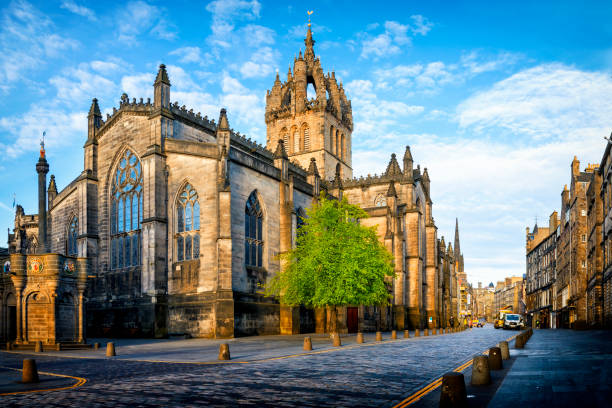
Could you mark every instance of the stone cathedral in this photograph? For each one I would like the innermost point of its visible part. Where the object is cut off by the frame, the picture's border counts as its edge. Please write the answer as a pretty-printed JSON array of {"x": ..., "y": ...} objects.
[{"x": 176, "y": 220}]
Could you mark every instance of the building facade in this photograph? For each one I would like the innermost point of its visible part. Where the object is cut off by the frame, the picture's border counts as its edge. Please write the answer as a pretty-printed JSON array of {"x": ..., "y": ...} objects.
[
  {"x": 594, "y": 251},
  {"x": 541, "y": 260},
  {"x": 181, "y": 219},
  {"x": 605, "y": 194},
  {"x": 484, "y": 302},
  {"x": 508, "y": 295},
  {"x": 571, "y": 281}
]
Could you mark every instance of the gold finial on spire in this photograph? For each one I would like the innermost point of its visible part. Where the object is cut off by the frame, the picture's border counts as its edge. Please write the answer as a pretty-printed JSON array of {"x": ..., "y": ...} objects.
[{"x": 309, "y": 13}]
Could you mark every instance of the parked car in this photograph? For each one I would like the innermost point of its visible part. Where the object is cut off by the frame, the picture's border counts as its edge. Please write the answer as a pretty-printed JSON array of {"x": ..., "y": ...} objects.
[
  {"x": 513, "y": 321},
  {"x": 481, "y": 322}
]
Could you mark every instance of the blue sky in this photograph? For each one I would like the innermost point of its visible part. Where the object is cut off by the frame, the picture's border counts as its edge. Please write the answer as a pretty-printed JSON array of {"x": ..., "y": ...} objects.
[{"x": 494, "y": 98}]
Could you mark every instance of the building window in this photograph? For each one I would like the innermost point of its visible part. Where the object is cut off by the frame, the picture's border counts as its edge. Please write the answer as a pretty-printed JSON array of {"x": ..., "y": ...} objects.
[
  {"x": 583, "y": 237},
  {"x": 306, "y": 138},
  {"x": 126, "y": 212},
  {"x": 187, "y": 225},
  {"x": 73, "y": 230},
  {"x": 296, "y": 141},
  {"x": 253, "y": 236},
  {"x": 583, "y": 212}
]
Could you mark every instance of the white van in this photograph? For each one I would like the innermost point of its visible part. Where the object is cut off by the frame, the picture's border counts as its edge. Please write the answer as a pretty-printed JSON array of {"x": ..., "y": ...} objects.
[{"x": 513, "y": 321}]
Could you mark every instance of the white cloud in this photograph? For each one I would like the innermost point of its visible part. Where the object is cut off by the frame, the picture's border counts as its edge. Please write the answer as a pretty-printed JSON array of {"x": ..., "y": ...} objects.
[
  {"x": 27, "y": 41},
  {"x": 420, "y": 25},
  {"x": 63, "y": 129},
  {"x": 138, "y": 85},
  {"x": 189, "y": 55},
  {"x": 431, "y": 77},
  {"x": 224, "y": 15},
  {"x": 394, "y": 37},
  {"x": 551, "y": 100},
  {"x": 77, "y": 9},
  {"x": 81, "y": 84},
  {"x": 138, "y": 17},
  {"x": 262, "y": 63}
]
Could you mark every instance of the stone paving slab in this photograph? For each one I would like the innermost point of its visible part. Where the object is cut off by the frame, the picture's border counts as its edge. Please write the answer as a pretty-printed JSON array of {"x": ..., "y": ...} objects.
[
  {"x": 560, "y": 368},
  {"x": 366, "y": 376},
  {"x": 10, "y": 382}
]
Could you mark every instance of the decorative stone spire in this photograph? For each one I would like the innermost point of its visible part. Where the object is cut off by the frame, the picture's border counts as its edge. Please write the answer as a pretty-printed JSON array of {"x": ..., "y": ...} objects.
[
  {"x": 161, "y": 89},
  {"x": 162, "y": 75},
  {"x": 223, "y": 122},
  {"x": 457, "y": 244},
  {"x": 309, "y": 52},
  {"x": 425, "y": 181},
  {"x": 51, "y": 191},
  {"x": 94, "y": 119},
  {"x": 391, "y": 190},
  {"x": 280, "y": 152},
  {"x": 393, "y": 168},
  {"x": 312, "y": 169}
]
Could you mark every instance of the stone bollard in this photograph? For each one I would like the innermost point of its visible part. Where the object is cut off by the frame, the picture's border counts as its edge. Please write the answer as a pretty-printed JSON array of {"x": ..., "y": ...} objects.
[
  {"x": 434, "y": 332},
  {"x": 224, "y": 353},
  {"x": 495, "y": 359},
  {"x": 38, "y": 347},
  {"x": 360, "y": 338},
  {"x": 519, "y": 343},
  {"x": 505, "y": 352},
  {"x": 8, "y": 346},
  {"x": 425, "y": 332},
  {"x": 336, "y": 339},
  {"x": 307, "y": 344},
  {"x": 58, "y": 347},
  {"x": 394, "y": 335},
  {"x": 96, "y": 346},
  {"x": 417, "y": 333},
  {"x": 110, "y": 349},
  {"x": 453, "y": 392},
  {"x": 406, "y": 334},
  {"x": 480, "y": 370},
  {"x": 30, "y": 372},
  {"x": 378, "y": 336}
]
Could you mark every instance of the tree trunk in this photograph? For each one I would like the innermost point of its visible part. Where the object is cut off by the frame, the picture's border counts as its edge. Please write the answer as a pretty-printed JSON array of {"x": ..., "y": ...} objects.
[{"x": 333, "y": 319}]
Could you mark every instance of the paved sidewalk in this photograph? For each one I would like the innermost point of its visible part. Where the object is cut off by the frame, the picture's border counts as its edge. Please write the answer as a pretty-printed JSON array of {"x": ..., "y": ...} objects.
[
  {"x": 560, "y": 368},
  {"x": 557, "y": 368}
]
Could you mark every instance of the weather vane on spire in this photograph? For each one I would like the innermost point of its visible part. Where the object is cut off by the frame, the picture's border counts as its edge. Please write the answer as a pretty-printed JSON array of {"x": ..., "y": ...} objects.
[
  {"x": 309, "y": 13},
  {"x": 42, "y": 144}
]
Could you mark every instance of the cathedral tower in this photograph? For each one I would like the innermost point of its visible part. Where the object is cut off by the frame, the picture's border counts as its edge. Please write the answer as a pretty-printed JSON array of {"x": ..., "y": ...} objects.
[{"x": 314, "y": 124}]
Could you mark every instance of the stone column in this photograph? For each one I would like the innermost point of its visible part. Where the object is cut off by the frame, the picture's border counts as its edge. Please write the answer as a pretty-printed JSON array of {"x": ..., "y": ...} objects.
[
  {"x": 81, "y": 286},
  {"x": 42, "y": 168},
  {"x": 18, "y": 277}
]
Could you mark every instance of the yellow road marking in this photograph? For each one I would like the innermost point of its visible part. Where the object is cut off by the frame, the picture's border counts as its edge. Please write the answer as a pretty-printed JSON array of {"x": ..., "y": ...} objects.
[
  {"x": 80, "y": 382},
  {"x": 436, "y": 383}
]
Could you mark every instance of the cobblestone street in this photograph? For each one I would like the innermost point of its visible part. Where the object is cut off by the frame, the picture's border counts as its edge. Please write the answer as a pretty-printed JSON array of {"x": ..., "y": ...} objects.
[{"x": 370, "y": 375}]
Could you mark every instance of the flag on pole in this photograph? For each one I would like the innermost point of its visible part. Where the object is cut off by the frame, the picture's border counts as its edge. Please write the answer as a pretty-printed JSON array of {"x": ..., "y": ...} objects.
[{"x": 13, "y": 200}]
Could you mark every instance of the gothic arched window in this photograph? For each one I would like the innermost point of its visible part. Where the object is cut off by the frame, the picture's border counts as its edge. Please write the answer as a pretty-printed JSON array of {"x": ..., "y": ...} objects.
[
  {"x": 126, "y": 212},
  {"x": 306, "y": 133},
  {"x": 71, "y": 244},
  {"x": 331, "y": 139},
  {"x": 296, "y": 141},
  {"x": 285, "y": 137},
  {"x": 188, "y": 225},
  {"x": 342, "y": 146},
  {"x": 253, "y": 234}
]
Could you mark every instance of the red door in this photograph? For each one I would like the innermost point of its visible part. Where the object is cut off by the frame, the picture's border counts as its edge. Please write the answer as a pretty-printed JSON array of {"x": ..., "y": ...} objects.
[{"x": 352, "y": 319}]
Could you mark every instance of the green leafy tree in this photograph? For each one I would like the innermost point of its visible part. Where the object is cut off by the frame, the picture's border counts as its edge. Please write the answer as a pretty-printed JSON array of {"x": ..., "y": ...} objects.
[{"x": 336, "y": 261}]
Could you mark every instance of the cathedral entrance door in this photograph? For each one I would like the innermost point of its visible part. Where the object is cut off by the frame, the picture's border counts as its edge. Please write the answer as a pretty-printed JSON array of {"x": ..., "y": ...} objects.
[{"x": 352, "y": 319}]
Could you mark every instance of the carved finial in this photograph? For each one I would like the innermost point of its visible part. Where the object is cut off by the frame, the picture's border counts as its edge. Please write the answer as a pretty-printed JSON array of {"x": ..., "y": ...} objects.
[{"x": 309, "y": 14}]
